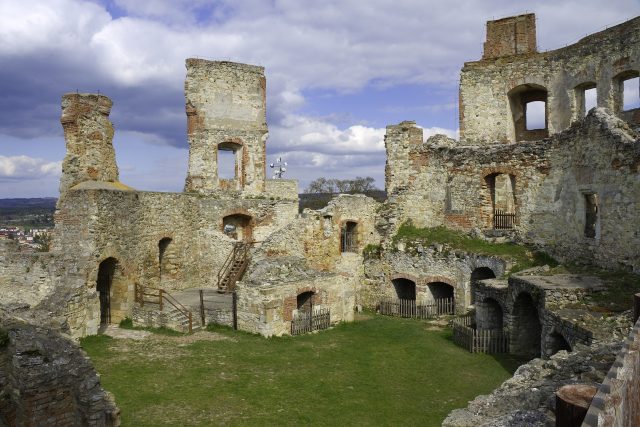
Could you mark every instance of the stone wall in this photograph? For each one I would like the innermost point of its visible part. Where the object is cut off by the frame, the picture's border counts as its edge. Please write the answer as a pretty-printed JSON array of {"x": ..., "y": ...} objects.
[
  {"x": 226, "y": 110},
  {"x": 616, "y": 403},
  {"x": 45, "y": 379},
  {"x": 441, "y": 184},
  {"x": 492, "y": 90}
]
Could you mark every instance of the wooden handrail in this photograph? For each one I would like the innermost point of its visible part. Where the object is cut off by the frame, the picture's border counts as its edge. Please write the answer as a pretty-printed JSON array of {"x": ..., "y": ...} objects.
[
  {"x": 161, "y": 296},
  {"x": 239, "y": 252}
]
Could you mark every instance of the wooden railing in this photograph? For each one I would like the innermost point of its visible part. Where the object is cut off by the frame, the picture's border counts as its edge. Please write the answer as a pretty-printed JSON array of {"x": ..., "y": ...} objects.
[
  {"x": 233, "y": 266},
  {"x": 305, "y": 321},
  {"x": 489, "y": 341},
  {"x": 503, "y": 220},
  {"x": 409, "y": 308},
  {"x": 161, "y": 297}
]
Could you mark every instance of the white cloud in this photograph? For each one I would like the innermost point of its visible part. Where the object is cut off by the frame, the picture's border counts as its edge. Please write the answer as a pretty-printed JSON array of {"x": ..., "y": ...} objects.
[{"x": 25, "y": 167}]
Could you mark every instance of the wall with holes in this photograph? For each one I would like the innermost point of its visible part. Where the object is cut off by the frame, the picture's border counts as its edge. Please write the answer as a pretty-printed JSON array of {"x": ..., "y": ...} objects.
[{"x": 498, "y": 92}]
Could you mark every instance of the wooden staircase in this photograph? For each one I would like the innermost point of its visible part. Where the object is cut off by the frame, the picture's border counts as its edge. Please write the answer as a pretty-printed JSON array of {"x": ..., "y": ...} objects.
[{"x": 234, "y": 267}]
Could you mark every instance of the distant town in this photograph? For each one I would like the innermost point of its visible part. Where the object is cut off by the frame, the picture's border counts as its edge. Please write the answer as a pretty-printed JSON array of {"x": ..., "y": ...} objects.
[{"x": 29, "y": 222}]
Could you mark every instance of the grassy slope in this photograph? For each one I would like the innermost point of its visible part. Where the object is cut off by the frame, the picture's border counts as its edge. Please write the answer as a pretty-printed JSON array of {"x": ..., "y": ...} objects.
[{"x": 379, "y": 371}]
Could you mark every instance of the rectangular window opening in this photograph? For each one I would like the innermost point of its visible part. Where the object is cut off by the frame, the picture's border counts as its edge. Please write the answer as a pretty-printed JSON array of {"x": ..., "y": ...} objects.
[
  {"x": 590, "y": 99},
  {"x": 631, "y": 94},
  {"x": 226, "y": 164},
  {"x": 591, "y": 215},
  {"x": 535, "y": 113}
]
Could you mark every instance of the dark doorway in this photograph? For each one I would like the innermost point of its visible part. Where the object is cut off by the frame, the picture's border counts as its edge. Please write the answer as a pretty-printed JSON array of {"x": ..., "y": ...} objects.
[
  {"x": 440, "y": 290},
  {"x": 405, "y": 288},
  {"x": 479, "y": 273},
  {"x": 238, "y": 227},
  {"x": 591, "y": 215},
  {"x": 526, "y": 329},
  {"x": 106, "y": 271},
  {"x": 163, "y": 244},
  {"x": 349, "y": 238},
  {"x": 557, "y": 342},
  {"x": 304, "y": 302}
]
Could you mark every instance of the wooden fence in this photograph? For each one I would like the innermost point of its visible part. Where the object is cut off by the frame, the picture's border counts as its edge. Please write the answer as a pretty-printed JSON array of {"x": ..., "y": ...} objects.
[
  {"x": 503, "y": 220},
  {"x": 409, "y": 308},
  {"x": 489, "y": 341},
  {"x": 305, "y": 321}
]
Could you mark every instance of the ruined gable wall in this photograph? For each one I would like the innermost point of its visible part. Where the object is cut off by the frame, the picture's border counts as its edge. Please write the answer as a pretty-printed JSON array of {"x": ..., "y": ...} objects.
[
  {"x": 598, "y": 155},
  {"x": 485, "y": 113},
  {"x": 225, "y": 103}
]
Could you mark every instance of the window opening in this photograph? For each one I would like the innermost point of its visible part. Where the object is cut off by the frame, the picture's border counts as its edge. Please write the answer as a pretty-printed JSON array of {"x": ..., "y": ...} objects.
[
  {"x": 631, "y": 94},
  {"x": 227, "y": 164},
  {"x": 591, "y": 215},
  {"x": 590, "y": 99}
]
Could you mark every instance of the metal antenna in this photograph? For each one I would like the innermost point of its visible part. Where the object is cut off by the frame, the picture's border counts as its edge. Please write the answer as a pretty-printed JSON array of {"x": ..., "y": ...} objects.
[{"x": 279, "y": 168}]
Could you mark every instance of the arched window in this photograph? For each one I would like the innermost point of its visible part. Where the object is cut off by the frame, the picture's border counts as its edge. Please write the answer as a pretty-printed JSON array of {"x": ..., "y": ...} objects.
[{"x": 529, "y": 112}]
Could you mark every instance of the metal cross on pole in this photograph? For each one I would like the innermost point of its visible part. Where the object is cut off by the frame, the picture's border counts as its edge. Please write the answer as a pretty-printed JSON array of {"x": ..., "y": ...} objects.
[{"x": 279, "y": 168}]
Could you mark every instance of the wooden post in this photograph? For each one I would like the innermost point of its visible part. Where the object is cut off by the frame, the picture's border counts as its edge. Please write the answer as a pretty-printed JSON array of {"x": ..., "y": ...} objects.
[
  {"x": 636, "y": 308},
  {"x": 234, "y": 308},
  {"x": 572, "y": 403},
  {"x": 202, "y": 307}
]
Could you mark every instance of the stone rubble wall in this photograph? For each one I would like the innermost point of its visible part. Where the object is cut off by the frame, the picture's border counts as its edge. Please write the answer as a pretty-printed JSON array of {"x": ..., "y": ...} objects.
[
  {"x": 616, "y": 404},
  {"x": 436, "y": 185},
  {"x": 485, "y": 113},
  {"x": 45, "y": 379}
]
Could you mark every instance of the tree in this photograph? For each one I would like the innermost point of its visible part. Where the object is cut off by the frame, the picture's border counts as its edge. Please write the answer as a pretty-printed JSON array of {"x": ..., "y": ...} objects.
[{"x": 351, "y": 186}]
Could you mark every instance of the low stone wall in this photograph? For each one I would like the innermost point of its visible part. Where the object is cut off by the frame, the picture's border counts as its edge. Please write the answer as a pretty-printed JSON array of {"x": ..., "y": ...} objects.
[
  {"x": 152, "y": 317},
  {"x": 617, "y": 402},
  {"x": 45, "y": 379}
]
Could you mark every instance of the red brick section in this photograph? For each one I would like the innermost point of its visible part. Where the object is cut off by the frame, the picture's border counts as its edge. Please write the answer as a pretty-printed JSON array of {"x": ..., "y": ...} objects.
[
  {"x": 290, "y": 303},
  {"x": 510, "y": 36},
  {"x": 431, "y": 279},
  {"x": 411, "y": 277}
]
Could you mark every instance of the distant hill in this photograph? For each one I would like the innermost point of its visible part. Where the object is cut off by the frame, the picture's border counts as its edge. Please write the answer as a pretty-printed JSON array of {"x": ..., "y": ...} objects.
[
  {"x": 27, "y": 213},
  {"x": 42, "y": 202}
]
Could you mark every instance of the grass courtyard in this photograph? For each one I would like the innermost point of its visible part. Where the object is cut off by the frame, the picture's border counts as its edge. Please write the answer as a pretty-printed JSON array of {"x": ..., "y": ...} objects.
[{"x": 377, "y": 371}]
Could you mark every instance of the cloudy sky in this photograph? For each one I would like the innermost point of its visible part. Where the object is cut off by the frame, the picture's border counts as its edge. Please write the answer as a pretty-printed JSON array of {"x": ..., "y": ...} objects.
[{"x": 338, "y": 72}]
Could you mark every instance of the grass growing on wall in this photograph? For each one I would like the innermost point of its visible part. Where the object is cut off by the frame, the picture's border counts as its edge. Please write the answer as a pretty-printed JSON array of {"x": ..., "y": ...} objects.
[
  {"x": 522, "y": 256},
  {"x": 379, "y": 371}
]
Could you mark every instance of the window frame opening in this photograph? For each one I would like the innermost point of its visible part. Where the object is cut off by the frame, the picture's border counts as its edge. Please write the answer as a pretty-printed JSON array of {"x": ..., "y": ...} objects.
[{"x": 519, "y": 99}]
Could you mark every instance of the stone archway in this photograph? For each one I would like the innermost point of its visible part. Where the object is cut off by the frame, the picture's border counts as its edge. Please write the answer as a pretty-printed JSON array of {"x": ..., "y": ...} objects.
[
  {"x": 405, "y": 288},
  {"x": 526, "y": 328},
  {"x": 104, "y": 284},
  {"x": 115, "y": 293},
  {"x": 238, "y": 226},
  {"x": 479, "y": 273}
]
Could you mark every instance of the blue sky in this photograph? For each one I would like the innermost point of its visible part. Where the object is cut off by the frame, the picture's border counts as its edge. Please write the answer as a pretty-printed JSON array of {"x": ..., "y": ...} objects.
[{"x": 338, "y": 72}]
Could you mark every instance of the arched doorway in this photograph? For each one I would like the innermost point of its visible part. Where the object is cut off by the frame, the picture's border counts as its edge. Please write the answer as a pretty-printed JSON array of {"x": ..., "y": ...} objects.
[
  {"x": 489, "y": 315},
  {"x": 526, "y": 328},
  {"x": 405, "y": 288},
  {"x": 106, "y": 271},
  {"x": 238, "y": 227},
  {"x": 440, "y": 290},
  {"x": 304, "y": 302},
  {"x": 557, "y": 342},
  {"x": 163, "y": 246},
  {"x": 479, "y": 273}
]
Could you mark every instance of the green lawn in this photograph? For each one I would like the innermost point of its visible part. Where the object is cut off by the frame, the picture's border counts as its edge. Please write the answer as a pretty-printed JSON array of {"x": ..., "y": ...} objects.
[{"x": 378, "y": 371}]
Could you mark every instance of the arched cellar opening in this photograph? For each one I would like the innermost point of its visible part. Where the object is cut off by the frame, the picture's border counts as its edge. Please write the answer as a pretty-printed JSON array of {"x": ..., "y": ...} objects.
[
  {"x": 405, "y": 288},
  {"x": 529, "y": 112},
  {"x": 349, "y": 237},
  {"x": 304, "y": 302},
  {"x": 555, "y": 343},
  {"x": 526, "y": 329},
  {"x": 104, "y": 284},
  {"x": 439, "y": 290},
  {"x": 163, "y": 246},
  {"x": 238, "y": 227},
  {"x": 479, "y": 273},
  {"x": 501, "y": 188},
  {"x": 489, "y": 314}
]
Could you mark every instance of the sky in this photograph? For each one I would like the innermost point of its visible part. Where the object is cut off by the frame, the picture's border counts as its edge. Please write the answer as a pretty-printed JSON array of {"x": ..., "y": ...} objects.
[{"x": 338, "y": 72}]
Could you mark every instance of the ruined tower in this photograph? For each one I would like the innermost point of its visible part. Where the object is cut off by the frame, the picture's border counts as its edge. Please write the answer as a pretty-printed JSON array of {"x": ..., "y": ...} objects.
[
  {"x": 88, "y": 134},
  {"x": 226, "y": 114}
]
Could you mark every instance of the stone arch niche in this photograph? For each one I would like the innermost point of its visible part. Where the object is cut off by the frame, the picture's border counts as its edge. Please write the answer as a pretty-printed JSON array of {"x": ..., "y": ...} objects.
[
  {"x": 489, "y": 314},
  {"x": 479, "y": 273},
  {"x": 524, "y": 101},
  {"x": 113, "y": 292},
  {"x": 405, "y": 288},
  {"x": 238, "y": 226},
  {"x": 526, "y": 329},
  {"x": 556, "y": 342},
  {"x": 439, "y": 290}
]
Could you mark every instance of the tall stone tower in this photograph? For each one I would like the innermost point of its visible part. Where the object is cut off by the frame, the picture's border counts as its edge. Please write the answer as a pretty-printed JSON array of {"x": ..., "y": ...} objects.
[
  {"x": 226, "y": 112},
  {"x": 88, "y": 134}
]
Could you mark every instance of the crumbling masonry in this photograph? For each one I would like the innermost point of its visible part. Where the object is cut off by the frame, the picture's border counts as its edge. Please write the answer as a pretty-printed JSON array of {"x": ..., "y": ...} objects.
[{"x": 569, "y": 184}]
